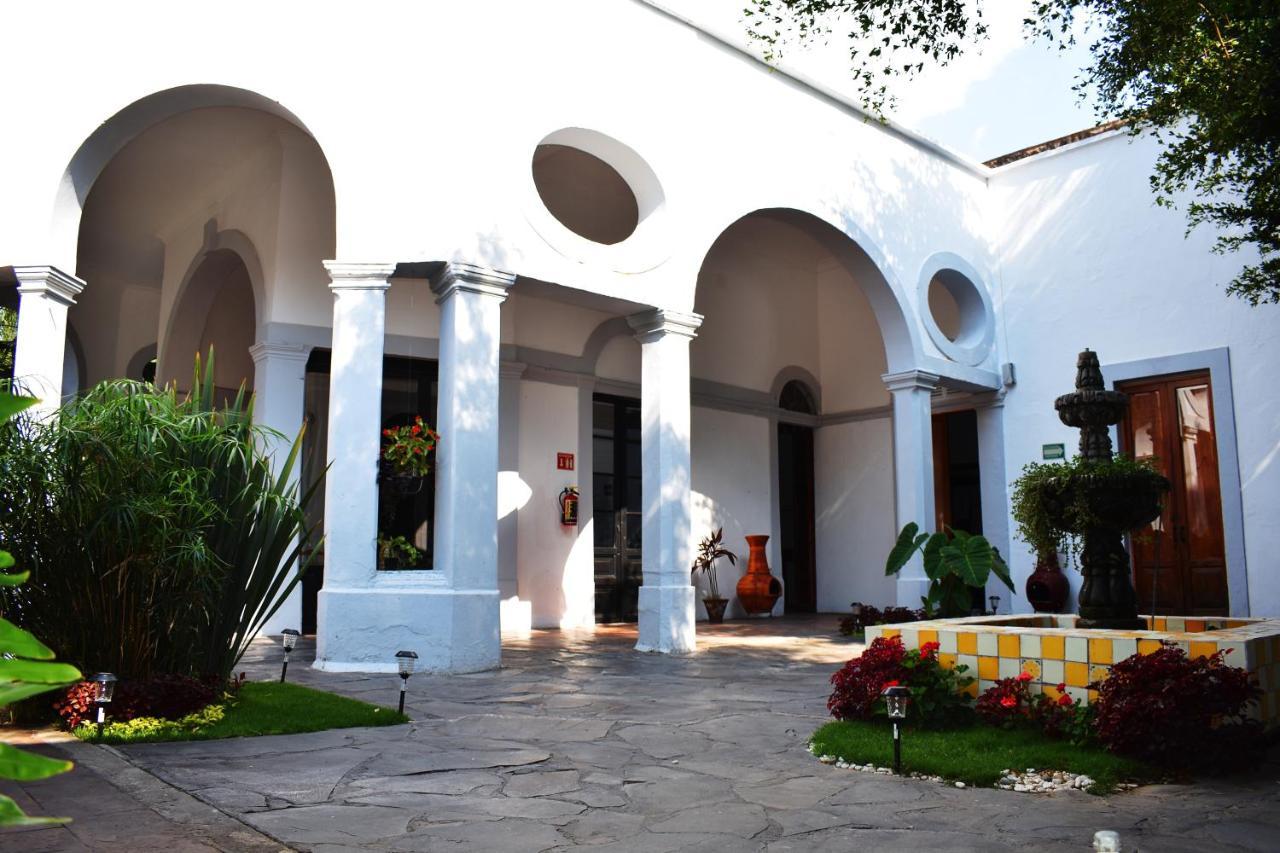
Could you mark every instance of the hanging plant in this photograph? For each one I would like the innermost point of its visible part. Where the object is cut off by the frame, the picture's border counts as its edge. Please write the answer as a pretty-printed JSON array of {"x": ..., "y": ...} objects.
[
  {"x": 407, "y": 449},
  {"x": 1054, "y": 504}
]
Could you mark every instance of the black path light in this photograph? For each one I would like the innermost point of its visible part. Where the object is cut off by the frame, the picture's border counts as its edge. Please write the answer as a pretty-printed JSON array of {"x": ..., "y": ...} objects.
[
  {"x": 896, "y": 698},
  {"x": 288, "y": 639},
  {"x": 995, "y": 603},
  {"x": 104, "y": 690},
  {"x": 404, "y": 664}
]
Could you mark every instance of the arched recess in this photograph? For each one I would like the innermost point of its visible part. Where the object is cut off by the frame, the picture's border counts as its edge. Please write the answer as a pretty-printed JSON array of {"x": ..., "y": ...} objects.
[
  {"x": 792, "y": 375},
  {"x": 217, "y": 305},
  {"x": 110, "y": 138},
  {"x": 852, "y": 245}
]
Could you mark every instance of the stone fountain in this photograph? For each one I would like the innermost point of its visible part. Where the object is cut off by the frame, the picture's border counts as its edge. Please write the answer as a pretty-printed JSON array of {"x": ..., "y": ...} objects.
[{"x": 1119, "y": 500}]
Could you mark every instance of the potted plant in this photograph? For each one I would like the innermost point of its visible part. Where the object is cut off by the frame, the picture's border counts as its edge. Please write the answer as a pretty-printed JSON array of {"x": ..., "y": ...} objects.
[
  {"x": 406, "y": 452},
  {"x": 955, "y": 562},
  {"x": 397, "y": 552},
  {"x": 1047, "y": 587},
  {"x": 711, "y": 549}
]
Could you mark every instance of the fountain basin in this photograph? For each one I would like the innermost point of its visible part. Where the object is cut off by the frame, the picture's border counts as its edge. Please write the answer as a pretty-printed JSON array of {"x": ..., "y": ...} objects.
[{"x": 1054, "y": 651}]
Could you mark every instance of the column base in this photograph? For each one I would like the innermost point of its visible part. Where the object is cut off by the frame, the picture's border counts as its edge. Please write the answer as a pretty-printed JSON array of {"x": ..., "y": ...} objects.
[
  {"x": 667, "y": 619},
  {"x": 453, "y": 631},
  {"x": 910, "y": 591},
  {"x": 516, "y": 617}
]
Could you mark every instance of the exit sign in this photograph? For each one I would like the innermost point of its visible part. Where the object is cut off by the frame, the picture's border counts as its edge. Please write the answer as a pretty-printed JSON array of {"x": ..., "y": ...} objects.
[
  {"x": 1053, "y": 451},
  {"x": 564, "y": 461}
]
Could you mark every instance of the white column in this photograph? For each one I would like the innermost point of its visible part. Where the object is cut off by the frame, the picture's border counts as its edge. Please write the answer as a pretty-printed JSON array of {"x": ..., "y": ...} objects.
[
  {"x": 667, "y": 596},
  {"x": 466, "y": 531},
  {"x": 45, "y": 294},
  {"x": 912, "y": 392},
  {"x": 355, "y": 415},
  {"x": 279, "y": 390}
]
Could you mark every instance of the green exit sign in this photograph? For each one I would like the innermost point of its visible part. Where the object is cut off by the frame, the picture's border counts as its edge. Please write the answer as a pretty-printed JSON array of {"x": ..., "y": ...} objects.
[{"x": 1053, "y": 451}]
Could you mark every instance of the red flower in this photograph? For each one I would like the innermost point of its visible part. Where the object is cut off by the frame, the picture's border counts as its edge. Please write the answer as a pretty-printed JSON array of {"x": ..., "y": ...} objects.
[
  {"x": 893, "y": 683},
  {"x": 930, "y": 648},
  {"x": 1009, "y": 701},
  {"x": 1062, "y": 688},
  {"x": 1064, "y": 700},
  {"x": 416, "y": 429},
  {"x": 1024, "y": 676}
]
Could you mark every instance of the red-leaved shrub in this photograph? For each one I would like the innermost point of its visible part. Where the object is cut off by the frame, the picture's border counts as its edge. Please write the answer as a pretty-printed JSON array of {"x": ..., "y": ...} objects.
[
  {"x": 167, "y": 696},
  {"x": 936, "y": 692},
  {"x": 1176, "y": 711},
  {"x": 1009, "y": 702}
]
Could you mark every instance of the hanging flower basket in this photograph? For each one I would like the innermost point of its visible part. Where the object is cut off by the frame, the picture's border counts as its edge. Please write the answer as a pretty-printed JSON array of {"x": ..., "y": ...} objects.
[{"x": 406, "y": 457}]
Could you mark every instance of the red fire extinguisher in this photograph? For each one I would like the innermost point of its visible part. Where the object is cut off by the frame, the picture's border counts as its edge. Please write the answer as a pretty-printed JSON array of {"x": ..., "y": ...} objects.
[{"x": 569, "y": 506}]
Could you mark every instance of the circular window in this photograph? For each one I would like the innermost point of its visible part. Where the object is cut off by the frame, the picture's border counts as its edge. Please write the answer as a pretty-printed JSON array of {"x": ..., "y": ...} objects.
[
  {"x": 585, "y": 193},
  {"x": 595, "y": 200},
  {"x": 956, "y": 310}
]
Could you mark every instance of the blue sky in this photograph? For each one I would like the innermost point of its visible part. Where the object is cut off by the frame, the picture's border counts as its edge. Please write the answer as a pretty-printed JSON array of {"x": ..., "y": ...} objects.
[{"x": 1010, "y": 94}]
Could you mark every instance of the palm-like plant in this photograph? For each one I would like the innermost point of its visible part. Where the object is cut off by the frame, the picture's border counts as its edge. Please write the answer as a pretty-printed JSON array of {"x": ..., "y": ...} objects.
[{"x": 711, "y": 549}]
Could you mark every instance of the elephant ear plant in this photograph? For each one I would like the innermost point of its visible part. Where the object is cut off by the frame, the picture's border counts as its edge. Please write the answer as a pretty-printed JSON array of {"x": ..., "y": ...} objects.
[
  {"x": 955, "y": 562},
  {"x": 26, "y": 669}
]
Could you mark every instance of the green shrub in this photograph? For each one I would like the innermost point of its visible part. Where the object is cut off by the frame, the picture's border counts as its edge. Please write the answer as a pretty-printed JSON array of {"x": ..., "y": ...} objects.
[
  {"x": 955, "y": 562},
  {"x": 158, "y": 537}
]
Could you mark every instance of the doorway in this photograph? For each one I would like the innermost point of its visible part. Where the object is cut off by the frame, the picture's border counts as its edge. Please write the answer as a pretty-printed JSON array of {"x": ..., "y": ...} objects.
[
  {"x": 1179, "y": 560},
  {"x": 957, "y": 489},
  {"x": 617, "y": 507},
  {"x": 797, "y": 543}
]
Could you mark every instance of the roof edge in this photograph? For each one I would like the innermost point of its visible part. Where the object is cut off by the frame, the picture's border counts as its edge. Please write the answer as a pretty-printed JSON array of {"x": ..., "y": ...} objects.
[
  {"x": 911, "y": 137},
  {"x": 1054, "y": 144}
]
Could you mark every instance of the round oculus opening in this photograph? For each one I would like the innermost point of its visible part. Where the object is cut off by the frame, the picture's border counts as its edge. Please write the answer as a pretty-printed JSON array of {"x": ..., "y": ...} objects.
[
  {"x": 584, "y": 193},
  {"x": 956, "y": 307}
]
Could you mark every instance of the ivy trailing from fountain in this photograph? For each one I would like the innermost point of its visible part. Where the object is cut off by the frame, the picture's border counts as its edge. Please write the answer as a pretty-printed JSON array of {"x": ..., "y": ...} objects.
[
  {"x": 955, "y": 562},
  {"x": 1053, "y": 503}
]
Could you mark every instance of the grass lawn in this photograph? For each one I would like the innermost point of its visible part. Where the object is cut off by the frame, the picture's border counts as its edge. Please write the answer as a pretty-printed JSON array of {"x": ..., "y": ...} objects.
[
  {"x": 261, "y": 708},
  {"x": 975, "y": 755}
]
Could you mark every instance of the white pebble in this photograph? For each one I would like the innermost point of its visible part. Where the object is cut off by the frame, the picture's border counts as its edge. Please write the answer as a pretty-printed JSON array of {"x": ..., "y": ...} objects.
[{"x": 959, "y": 784}]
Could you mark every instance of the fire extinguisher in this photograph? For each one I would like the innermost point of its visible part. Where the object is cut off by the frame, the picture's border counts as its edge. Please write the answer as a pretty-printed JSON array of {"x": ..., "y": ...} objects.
[{"x": 569, "y": 506}]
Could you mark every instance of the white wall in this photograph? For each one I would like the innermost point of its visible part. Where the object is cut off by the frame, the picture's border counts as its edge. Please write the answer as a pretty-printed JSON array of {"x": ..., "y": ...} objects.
[
  {"x": 855, "y": 522},
  {"x": 1088, "y": 260},
  {"x": 732, "y": 489},
  {"x": 554, "y": 563}
]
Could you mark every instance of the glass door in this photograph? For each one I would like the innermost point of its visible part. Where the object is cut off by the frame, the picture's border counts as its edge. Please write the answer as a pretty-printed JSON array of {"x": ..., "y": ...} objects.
[{"x": 616, "y": 495}]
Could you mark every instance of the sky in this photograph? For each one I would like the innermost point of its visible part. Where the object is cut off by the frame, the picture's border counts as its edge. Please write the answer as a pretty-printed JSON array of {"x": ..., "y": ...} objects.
[{"x": 1007, "y": 95}]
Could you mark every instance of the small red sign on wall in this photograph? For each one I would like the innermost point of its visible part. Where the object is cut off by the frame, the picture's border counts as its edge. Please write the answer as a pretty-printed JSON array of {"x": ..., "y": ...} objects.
[{"x": 564, "y": 461}]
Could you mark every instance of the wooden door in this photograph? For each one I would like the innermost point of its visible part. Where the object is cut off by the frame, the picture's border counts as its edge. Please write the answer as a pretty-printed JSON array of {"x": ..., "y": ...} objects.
[{"x": 1179, "y": 560}]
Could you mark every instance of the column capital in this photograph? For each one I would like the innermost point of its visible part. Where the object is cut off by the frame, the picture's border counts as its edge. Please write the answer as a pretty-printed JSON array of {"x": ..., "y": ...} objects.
[
  {"x": 266, "y": 350},
  {"x": 911, "y": 380},
  {"x": 471, "y": 278},
  {"x": 511, "y": 369},
  {"x": 50, "y": 281},
  {"x": 359, "y": 275},
  {"x": 658, "y": 323}
]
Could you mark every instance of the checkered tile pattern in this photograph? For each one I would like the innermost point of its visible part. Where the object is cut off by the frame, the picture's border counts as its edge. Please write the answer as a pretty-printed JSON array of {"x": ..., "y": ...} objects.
[{"x": 1054, "y": 651}]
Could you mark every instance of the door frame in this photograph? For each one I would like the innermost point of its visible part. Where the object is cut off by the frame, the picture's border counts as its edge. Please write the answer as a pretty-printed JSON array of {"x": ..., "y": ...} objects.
[{"x": 1218, "y": 364}]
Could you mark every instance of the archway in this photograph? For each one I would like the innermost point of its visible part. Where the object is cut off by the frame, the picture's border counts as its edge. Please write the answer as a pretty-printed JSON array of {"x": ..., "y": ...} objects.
[
  {"x": 797, "y": 312},
  {"x": 216, "y": 310}
]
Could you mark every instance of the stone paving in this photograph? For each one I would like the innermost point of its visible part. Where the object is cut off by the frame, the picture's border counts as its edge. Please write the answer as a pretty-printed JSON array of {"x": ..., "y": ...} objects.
[{"x": 580, "y": 742}]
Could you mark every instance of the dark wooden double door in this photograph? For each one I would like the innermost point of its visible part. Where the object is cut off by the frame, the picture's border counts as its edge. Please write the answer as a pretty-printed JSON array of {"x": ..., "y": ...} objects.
[
  {"x": 1179, "y": 560},
  {"x": 616, "y": 507}
]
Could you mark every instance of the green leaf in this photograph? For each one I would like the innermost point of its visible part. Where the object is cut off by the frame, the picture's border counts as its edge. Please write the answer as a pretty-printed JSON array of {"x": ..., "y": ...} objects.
[
  {"x": 905, "y": 548},
  {"x": 25, "y": 766},
  {"x": 1001, "y": 570},
  {"x": 6, "y": 560},
  {"x": 34, "y": 672},
  {"x": 14, "y": 580},
  {"x": 12, "y": 815},
  {"x": 23, "y": 644},
  {"x": 970, "y": 560},
  {"x": 10, "y": 693},
  {"x": 11, "y": 404},
  {"x": 933, "y": 566}
]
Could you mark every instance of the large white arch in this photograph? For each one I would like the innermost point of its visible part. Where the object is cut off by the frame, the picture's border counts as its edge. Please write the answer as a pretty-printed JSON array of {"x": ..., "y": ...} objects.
[{"x": 105, "y": 142}]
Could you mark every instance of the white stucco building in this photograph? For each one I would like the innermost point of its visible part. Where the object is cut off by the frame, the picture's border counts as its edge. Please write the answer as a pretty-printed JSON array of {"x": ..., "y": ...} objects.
[{"x": 592, "y": 228}]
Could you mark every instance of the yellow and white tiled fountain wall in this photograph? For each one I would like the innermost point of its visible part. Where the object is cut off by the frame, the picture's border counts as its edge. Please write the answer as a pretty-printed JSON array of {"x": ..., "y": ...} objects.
[{"x": 1055, "y": 652}]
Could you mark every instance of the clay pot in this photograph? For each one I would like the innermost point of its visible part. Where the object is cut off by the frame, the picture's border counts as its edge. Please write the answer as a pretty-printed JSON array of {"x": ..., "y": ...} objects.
[
  {"x": 1047, "y": 588},
  {"x": 715, "y": 609},
  {"x": 758, "y": 590}
]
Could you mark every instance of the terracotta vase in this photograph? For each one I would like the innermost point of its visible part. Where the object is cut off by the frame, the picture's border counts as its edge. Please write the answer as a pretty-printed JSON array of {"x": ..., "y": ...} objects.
[
  {"x": 758, "y": 590},
  {"x": 1047, "y": 588},
  {"x": 715, "y": 609}
]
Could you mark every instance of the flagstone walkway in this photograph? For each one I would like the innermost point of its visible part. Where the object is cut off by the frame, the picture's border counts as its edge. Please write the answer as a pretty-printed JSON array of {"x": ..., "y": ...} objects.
[{"x": 580, "y": 742}]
